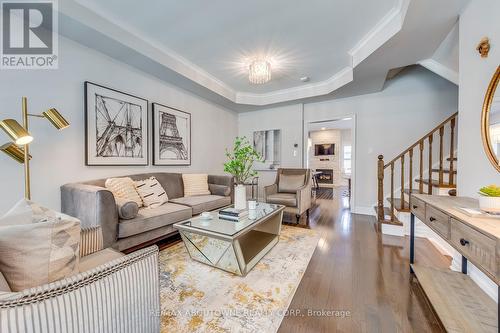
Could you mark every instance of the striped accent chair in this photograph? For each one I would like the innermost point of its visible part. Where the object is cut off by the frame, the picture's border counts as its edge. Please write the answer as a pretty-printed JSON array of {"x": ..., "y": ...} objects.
[{"x": 118, "y": 293}]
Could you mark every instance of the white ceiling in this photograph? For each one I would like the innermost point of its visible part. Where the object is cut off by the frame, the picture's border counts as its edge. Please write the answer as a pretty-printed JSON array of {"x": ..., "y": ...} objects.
[
  {"x": 346, "y": 47},
  {"x": 302, "y": 38}
]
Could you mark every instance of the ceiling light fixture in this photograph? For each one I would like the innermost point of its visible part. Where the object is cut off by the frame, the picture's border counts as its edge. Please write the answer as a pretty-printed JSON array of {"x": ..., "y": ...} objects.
[{"x": 259, "y": 71}]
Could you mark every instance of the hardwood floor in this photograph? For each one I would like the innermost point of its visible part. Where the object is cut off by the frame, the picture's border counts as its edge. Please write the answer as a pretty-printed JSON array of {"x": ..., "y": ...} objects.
[{"x": 357, "y": 270}]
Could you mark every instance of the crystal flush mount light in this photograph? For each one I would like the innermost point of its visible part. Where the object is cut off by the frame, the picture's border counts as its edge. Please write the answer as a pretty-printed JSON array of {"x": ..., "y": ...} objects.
[{"x": 259, "y": 72}]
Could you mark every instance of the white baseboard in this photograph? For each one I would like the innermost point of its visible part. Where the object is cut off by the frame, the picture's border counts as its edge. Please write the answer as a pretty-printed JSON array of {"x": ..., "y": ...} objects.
[
  {"x": 393, "y": 230},
  {"x": 363, "y": 210}
]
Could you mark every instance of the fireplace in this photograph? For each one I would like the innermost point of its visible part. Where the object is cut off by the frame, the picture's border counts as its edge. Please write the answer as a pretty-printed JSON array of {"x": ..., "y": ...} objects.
[{"x": 325, "y": 177}]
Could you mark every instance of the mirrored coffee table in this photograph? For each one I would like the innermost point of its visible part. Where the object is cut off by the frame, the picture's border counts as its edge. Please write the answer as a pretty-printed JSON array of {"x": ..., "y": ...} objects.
[{"x": 232, "y": 246}]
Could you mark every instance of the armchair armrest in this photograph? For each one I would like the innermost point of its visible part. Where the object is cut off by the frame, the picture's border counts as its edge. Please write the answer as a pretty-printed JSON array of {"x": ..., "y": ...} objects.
[
  {"x": 90, "y": 240},
  {"x": 270, "y": 189},
  {"x": 99, "y": 300},
  {"x": 93, "y": 206},
  {"x": 304, "y": 197}
]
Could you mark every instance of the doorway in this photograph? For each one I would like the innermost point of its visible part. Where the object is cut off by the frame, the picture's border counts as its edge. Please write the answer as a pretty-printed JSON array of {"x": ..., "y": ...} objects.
[{"x": 330, "y": 154}]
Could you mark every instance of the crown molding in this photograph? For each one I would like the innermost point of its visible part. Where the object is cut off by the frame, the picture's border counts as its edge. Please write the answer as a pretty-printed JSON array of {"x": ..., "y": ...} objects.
[
  {"x": 440, "y": 70},
  {"x": 98, "y": 22}
]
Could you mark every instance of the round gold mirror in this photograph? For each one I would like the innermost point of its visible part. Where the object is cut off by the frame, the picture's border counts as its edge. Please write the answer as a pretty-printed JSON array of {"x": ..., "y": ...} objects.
[{"x": 490, "y": 121}]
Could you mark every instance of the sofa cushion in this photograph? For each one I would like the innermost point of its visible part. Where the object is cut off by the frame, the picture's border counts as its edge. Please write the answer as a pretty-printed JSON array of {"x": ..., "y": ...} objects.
[
  {"x": 126, "y": 209},
  {"x": 98, "y": 258},
  {"x": 287, "y": 199},
  {"x": 204, "y": 203},
  {"x": 124, "y": 188},
  {"x": 195, "y": 184},
  {"x": 44, "y": 250},
  {"x": 152, "y": 218},
  {"x": 152, "y": 193},
  {"x": 221, "y": 190},
  {"x": 290, "y": 183}
]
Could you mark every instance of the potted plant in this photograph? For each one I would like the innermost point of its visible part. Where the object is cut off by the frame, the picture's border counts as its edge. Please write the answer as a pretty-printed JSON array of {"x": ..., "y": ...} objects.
[
  {"x": 239, "y": 164},
  {"x": 489, "y": 199}
]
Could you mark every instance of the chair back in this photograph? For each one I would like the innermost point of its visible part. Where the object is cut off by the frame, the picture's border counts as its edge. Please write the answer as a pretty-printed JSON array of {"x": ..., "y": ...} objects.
[{"x": 288, "y": 183}]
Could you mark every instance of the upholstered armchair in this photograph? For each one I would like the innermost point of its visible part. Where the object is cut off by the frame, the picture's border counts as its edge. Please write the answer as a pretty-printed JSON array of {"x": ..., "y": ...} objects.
[
  {"x": 291, "y": 188},
  {"x": 112, "y": 293}
]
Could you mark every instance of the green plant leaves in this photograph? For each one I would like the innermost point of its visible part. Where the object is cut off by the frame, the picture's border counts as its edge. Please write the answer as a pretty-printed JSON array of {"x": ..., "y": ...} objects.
[{"x": 241, "y": 159}]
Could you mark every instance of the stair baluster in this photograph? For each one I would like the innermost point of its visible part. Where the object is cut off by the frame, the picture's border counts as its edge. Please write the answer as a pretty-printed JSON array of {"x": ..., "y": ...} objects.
[
  {"x": 429, "y": 186},
  {"x": 410, "y": 177},
  {"x": 380, "y": 176},
  {"x": 392, "y": 191},
  {"x": 402, "y": 182},
  {"x": 452, "y": 150},
  {"x": 421, "y": 172},
  {"x": 441, "y": 153}
]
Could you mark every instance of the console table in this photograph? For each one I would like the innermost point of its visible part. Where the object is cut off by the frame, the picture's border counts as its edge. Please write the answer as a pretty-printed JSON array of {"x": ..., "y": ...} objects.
[{"x": 458, "y": 302}]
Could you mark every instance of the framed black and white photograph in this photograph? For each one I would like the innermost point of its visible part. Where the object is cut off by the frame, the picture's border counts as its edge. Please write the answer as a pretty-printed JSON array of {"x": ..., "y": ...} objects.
[
  {"x": 116, "y": 126},
  {"x": 171, "y": 136},
  {"x": 268, "y": 145}
]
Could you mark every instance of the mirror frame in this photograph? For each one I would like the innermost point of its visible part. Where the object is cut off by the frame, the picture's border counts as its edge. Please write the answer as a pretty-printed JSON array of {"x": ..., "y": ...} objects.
[{"x": 485, "y": 119}]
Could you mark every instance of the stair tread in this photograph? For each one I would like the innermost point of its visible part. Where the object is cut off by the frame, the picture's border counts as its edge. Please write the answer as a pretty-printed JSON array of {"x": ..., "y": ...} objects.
[
  {"x": 444, "y": 171},
  {"x": 397, "y": 205},
  {"x": 435, "y": 183},
  {"x": 387, "y": 219}
]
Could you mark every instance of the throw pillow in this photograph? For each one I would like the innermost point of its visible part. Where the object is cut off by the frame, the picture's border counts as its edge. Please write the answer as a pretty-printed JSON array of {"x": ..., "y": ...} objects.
[
  {"x": 42, "y": 250},
  {"x": 195, "y": 184},
  {"x": 127, "y": 210},
  {"x": 152, "y": 193},
  {"x": 221, "y": 190},
  {"x": 290, "y": 183},
  {"x": 123, "y": 188}
]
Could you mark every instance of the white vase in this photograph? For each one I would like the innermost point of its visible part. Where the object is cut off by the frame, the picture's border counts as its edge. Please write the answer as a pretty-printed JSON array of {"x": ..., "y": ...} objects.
[
  {"x": 240, "y": 197},
  {"x": 489, "y": 204}
]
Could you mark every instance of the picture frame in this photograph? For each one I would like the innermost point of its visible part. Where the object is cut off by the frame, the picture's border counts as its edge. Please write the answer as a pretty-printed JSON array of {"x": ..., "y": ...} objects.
[
  {"x": 171, "y": 136},
  {"x": 268, "y": 144},
  {"x": 116, "y": 127}
]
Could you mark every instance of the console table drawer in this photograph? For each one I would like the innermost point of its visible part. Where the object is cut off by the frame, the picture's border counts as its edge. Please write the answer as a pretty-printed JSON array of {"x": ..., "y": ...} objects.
[
  {"x": 474, "y": 245},
  {"x": 438, "y": 221},
  {"x": 418, "y": 208}
]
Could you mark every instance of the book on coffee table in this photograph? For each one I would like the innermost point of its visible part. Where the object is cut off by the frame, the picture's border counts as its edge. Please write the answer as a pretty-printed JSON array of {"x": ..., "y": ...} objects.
[{"x": 232, "y": 213}]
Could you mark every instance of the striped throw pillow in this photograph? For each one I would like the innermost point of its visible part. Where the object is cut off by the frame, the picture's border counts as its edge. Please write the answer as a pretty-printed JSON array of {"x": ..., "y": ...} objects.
[
  {"x": 123, "y": 188},
  {"x": 195, "y": 184},
  {"x": 152, "y": 193}
]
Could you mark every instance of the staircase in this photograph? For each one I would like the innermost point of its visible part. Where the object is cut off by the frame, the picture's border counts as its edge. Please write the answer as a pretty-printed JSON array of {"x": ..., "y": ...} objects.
[{"x": 427, "y": 166}]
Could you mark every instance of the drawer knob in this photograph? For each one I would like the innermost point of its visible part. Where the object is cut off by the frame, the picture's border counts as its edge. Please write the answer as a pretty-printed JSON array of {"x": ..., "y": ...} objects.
[
  {"x": 415, "y": 206},
  {"x": 463, "y": 242},
  {"x": 432, "y": 219}
]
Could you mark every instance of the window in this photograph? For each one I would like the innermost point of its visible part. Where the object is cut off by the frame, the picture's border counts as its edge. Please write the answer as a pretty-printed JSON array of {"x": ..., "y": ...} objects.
[{"x": 347, "y": 159}]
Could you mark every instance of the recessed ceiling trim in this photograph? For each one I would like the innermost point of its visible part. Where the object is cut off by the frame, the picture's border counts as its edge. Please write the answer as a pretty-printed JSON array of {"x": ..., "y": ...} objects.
[
  {"x": 96, "y": 20},
  {"x": 440, "y": 70}
]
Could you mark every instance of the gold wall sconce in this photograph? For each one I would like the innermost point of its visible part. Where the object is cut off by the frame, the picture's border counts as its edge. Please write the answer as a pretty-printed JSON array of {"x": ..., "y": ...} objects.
[
  {"x": 19, "y": 148},
  {"x": 484, "y": 47}
]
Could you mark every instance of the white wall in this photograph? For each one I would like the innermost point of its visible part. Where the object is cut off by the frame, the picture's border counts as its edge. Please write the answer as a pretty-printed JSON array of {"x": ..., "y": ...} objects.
[
  {"x": 58, "y": 158},
  {"x": 478, "y": 20},
  {"x": 388, "y": 122},
  {"x": 289, "y": 120}
]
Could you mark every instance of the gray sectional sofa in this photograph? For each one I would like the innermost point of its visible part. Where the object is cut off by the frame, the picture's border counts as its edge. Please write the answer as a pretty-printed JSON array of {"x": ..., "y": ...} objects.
[{"x": 94, "y": 205}]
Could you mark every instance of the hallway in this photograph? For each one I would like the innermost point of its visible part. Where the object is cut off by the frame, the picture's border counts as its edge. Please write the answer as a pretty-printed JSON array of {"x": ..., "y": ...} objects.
[{"x": 360, "y": 276}]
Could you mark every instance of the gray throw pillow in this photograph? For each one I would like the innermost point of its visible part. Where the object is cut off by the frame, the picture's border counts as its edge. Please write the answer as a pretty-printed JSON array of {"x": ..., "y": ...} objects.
[
  {"x": 290, "y": 183},
  {"x": 221, "y": 190},
  {"x": 127, "y": 209}
]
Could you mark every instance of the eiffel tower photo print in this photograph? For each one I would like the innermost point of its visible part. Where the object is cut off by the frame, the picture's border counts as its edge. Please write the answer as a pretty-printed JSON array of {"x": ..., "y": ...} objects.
[
  {"x": 116, "y": 127},
  {"x": 171, "y": 136}
]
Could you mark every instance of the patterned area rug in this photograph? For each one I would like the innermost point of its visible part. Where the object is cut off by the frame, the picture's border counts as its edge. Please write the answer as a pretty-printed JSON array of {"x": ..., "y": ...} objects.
[{"x": 198, "y": 298}]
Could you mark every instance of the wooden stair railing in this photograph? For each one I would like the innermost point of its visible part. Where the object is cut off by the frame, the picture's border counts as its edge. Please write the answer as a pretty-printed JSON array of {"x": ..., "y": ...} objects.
[{"x": 421, "y": 144}]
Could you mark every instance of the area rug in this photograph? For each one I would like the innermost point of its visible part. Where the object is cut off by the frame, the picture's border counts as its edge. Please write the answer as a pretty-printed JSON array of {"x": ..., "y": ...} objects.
[{"x": 198, "y": 298}]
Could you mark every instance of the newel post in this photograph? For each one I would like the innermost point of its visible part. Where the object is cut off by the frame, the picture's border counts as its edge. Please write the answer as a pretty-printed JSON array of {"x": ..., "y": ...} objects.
[{"x": 380, "y": 176}]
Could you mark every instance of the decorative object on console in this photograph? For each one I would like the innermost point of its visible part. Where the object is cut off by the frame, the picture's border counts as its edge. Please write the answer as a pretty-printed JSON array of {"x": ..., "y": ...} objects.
[
  {"x": 22, "y": 137},
  {"x": 490, "y": 121},
  {"x": 484, "y": 47},
  {"x": 116, "y": 127},
  {"x": 489, "y": 199},
  {"x": 151, "y": 192},
  {"x": 171, "y": 136},
  {"x": 268, "y": 145},
  {"x": 240, "y": 165}
]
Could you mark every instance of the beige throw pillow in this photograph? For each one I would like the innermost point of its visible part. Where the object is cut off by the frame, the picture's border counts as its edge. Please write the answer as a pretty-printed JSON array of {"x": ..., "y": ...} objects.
[
  {"x": 123, "y": 188},
  {"x": 152, "y": 193},
  {"x": 195, "y": 184},
  {"x": 38, "y": 250}
]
